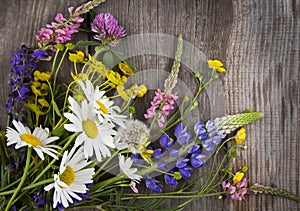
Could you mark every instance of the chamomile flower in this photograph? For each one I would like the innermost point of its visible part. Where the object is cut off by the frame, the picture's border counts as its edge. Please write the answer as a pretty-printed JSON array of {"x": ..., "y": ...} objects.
[
  {"x": 39, "y": 139},
  {"x": 105, "y": 108},
  {"x": 72, "y": 178},
  {"x": 96, "y": 137},
  {"x": 135, "y": 138},
  {"x": 125, "y": 167}
]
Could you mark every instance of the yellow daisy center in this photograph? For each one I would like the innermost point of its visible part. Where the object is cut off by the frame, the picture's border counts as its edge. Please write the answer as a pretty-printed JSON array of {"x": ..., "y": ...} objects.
[
  {"x": 90, "y": 128},
  {"x": 102, "y": 107},
  {"x": 68, "y": 176},
  {"x": 30, "y": 139}
]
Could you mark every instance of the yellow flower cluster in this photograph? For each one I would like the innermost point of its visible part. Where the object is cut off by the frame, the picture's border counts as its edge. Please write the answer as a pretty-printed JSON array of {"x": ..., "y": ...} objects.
[
  {"x": 240, "y": 175},
  {"x": 240, "y": 136},
  {"x": 97, "y": 70},
  {"x": 216, "y": 65},
  {"x": 40, "y": 89}
]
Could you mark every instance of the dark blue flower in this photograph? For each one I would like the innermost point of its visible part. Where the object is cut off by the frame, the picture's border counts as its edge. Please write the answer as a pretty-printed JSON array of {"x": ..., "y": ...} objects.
[
  {"x": 170, "y": 180},
  {"x": 182, "y": 134},
  {"x": 197, "y": 160},
  {"x": 166, "y": 142},
  {"x": 154, "y": 185},
  {"x": 22, "y": 65},
  {"x": 39, "y": 199},
  {"x": 200, "y": 130},
  {"x": 186, "y": 171}
]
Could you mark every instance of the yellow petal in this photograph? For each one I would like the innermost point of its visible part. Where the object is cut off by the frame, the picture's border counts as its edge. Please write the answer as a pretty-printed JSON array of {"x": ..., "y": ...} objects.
[
  {"x": 44, "y": 76},
  {"x": 125, "y": 69},
  {"x": 221, "y": 70},
  {"x": 214, "y": 64},
  {"x": 43, "y": 102}
]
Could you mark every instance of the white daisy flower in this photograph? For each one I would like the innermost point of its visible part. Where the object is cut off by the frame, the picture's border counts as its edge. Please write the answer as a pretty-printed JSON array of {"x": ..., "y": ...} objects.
[
  {"x": 125, "y": 168},
  {"x": 39, "y": 139},
  {"x": 105, "y": 108},
  {"x": 71, "y": 178},
  {"x": 96, "y": 137}
]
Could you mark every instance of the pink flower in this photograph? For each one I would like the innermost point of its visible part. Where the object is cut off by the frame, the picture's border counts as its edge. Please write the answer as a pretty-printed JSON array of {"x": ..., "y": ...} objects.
[
  {"x": 232, "y": 189},
  {"x": 235, "y": 196},
  {"x": 59, "y": 18},
  {"x": 45, "y": 34},
  {"x": 133, "y": 186},
  {"x": 225, "y": 185},
  {"x": 161, "y": 121}
]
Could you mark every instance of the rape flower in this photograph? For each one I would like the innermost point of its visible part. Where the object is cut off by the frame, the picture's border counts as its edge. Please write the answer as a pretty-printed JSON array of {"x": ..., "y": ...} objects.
[
  {"x": 72, "y": 178},
  {"x": 115, "y": 79},
  {"x": 216, "y": 65},
  {"x": 39, "y": 139},
  {"x": 97, "y": 66},
  {"x": 77, "y": 57},
  {"x": 125, "y": 69},
  {"x": 137, "y": 91},
  {"x": 238, "y": 177},
  {"x": 240, "y": 136}
]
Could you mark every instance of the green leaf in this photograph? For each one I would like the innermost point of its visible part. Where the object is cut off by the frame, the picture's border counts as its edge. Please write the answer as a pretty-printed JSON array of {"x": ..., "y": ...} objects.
[
  {"x": 56, "y": 108},
  {"x": 233, "y": 153},
  {"x": 108, "y": 59},
  {"x": 86, "y": 43},
  {"x": 121, "y": 57},
  {"x": 58, "y": 131}
]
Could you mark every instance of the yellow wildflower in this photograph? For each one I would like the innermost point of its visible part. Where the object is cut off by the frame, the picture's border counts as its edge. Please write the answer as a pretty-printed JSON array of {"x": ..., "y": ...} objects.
[
  {"x": 81, "y": 76},
  {"x": 125, "y": 69},
  {"x": 238, "y": 177},
  {"x": 137, "y": 91},
  {"x": 43, "y": 102},
  {"x": 77, "y": 57},
  {"x": 42, "y": 76},
  {"x": 122, "y": 92},
  {"x": 146, "y": 153},
  {"x": 97, "y": 66},
  {"x": 115, "y": 79},
  {"x": 216, "y": 65},
  {"x": 240, "y": 136}
]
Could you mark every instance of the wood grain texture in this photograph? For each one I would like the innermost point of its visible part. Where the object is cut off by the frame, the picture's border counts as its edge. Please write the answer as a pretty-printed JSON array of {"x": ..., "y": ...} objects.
[{"x": 259, "y": 44}]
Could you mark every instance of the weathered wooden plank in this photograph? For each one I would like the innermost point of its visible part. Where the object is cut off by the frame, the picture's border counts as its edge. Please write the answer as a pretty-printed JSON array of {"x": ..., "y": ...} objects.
[
  {"x": 20, "y": 22},
  {"x": 257, "y": 40},
  {"x": 264, "y": 61}
]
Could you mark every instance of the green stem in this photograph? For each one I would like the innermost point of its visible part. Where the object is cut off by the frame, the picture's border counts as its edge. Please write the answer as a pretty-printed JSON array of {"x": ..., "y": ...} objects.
[
  {"x": 97, "y": 187},
  {"x": 58, "y": 67},
  {"x": 27, "y": 187},
  {"x": 22, "y": 180},
  {"x": 105, "y": 164}
]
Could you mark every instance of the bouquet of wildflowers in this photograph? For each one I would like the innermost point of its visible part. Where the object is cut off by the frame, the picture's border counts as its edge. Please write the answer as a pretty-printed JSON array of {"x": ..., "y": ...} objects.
[{"x": 80, "y": 144}]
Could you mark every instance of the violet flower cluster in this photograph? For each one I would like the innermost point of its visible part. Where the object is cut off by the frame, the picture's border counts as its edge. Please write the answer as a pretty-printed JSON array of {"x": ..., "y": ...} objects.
[
  {"x": 61, "y": 30},
  {"x": 22, "y": 65},
  {"x": 107, "y": 29},
  {"x": 178, "y": 158},
  {"x": 161, "y": 105},
  {"x": 238, "y": 190}
]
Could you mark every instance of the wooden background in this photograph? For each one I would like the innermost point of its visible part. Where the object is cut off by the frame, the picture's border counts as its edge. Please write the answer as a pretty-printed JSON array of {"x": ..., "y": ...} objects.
[{"x": 259, "y": 44}]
